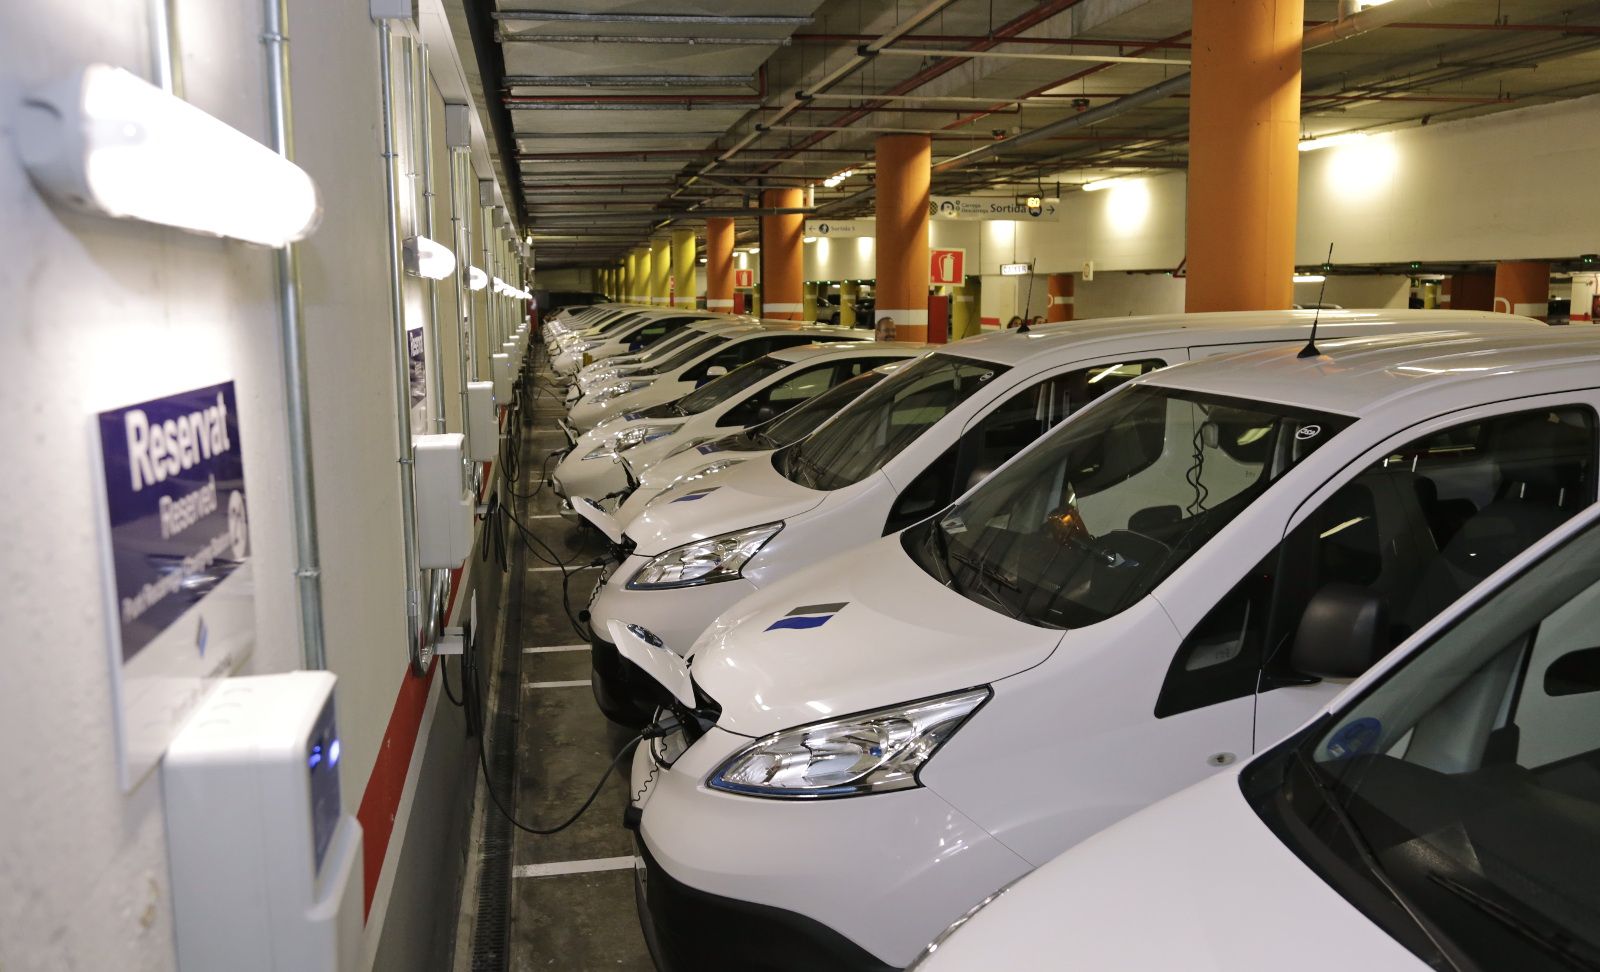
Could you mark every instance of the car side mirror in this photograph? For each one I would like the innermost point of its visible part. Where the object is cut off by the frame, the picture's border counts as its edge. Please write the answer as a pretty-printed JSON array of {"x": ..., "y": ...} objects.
[
  {"x": 1343, "y": 631},
  {"x": 978, "y": 475},
  {"x": 765, "y": 413}
]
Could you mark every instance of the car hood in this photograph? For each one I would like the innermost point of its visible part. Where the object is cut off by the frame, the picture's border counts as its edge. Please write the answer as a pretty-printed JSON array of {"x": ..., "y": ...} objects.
[
  {"x": 661, "y": 475},
  {"x": 749, "y": 494},
  {"x": 1147, "y": 893},
  {"x": 862, "y": 630}
]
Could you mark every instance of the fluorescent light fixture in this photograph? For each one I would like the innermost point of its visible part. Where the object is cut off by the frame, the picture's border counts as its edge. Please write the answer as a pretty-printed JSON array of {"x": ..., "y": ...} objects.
[
  {"x": 1014, "y": 269},
  {"x": 1330, "y": 141},
  {"x": 425, "y": 258},
  {"x": 1100, "y": 184},
  {"x": 1309, "y": 278},
  {"x": 753, "y": 250},
  {"x": 476, "y": 279},
  {"x": 109, "y": 143},
  {"x": 808, "y": 239}
]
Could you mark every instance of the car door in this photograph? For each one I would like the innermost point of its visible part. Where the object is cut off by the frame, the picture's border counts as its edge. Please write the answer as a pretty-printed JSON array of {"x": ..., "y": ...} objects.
[{"x": 1412, "y": 526}]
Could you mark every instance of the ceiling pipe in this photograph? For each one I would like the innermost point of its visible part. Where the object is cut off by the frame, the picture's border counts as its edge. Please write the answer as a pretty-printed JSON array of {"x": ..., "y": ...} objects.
[
  {"x": 515, "y": 38},
  {"x": 1138, "y": 99},
  {"x": 1371, "y": 18},
  {"x": 629, "y": 81},
  {"x": 813, "y": 38},
  {"x": 694, "y": 20}
]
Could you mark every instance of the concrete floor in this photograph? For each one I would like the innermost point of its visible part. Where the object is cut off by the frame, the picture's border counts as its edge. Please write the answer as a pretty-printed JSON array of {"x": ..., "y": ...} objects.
[{"x": 572, "y": 892}]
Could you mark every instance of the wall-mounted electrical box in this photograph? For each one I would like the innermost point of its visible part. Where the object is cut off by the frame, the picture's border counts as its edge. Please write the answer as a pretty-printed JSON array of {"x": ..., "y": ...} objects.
[
  {"x": 483, "y": 424},
  {"x": 266, "y": 865},
  {"x": 444, "y": 507},
  {"x": 504, "y": 375}
]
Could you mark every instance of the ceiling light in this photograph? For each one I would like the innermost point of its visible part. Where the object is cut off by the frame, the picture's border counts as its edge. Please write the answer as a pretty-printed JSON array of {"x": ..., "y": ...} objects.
[
  {"x": 1309, "y": 278},
  {"x": 1330, "y": 141},
  {"x": 1100, "y": 184},
  {"x": 753, "y": 250},
  {"x": 476, "y": 279},
  {"x": 425, "y": 258},
  {"x": 808, "y": 239},
  {"x": 109, "y": 143}
]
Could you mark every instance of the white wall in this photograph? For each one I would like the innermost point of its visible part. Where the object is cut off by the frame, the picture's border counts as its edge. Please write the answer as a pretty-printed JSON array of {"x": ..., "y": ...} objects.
[
  {"x": 104, "y": 313},
  {"x": 1356, "y": 292}
]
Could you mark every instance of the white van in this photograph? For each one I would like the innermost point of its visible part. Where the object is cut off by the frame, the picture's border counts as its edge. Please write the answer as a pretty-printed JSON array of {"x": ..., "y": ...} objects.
[
  {"x": 904, "y": 450},
  {"x": 718, "y": 354},
  {"x": 703, "y": 459},
  {"x": 750, "y": 394},
  {"x": 868, "y": 748},
  {"x": 1442, "y": 813}
]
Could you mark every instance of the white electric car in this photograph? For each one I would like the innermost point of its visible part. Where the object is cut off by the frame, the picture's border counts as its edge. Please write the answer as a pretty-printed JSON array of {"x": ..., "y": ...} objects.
[
  {"x": 632, "y": 338},
  {"x": 718, "y": 354},
  {"x": 1443, "y": 812},
  {"x": 902, "y": 451},
  {"x": 864, "y": 751},
  {"x": 580, "y": 319},
  {"x": 748, "y": 395},
  {"x": 608, "y": 371},
  {"x": 758, "y": 442}
]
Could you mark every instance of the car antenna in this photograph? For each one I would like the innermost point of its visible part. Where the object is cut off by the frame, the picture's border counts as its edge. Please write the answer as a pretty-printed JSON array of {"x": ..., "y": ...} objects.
[{"x": 1310, "y": 350}]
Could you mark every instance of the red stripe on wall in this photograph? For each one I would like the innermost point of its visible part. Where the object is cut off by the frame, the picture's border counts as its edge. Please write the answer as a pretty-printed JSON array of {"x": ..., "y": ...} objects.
[{"x": 382, "y": 797}]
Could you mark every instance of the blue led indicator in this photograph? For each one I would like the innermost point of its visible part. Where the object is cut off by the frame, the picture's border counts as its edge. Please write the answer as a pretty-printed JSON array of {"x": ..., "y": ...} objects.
[
  {"x": 333, "y": 753},
  {"x": 316, "y": 756}
]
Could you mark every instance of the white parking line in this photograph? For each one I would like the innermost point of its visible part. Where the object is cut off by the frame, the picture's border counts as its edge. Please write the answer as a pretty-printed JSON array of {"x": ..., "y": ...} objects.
[
  {"x": 569, "y": 683},
  {"x": 547, "y": 650},
  {"x": 557, "y": 868},
  {"x": 572, "y": 570}
]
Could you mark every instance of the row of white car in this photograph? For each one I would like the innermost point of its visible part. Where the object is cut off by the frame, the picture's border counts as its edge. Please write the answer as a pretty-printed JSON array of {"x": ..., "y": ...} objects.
[{"x": 947, "y": 619}]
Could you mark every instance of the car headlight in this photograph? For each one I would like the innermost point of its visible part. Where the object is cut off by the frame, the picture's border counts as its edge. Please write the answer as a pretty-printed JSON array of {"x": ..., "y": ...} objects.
[
  {"x": 704, "y": 471},
  {"x": 628, "y": 438},
  {"x": 621, "y": 388},
  {"x": 872, "y": 752},
  {"x": 704, "y": 561}
]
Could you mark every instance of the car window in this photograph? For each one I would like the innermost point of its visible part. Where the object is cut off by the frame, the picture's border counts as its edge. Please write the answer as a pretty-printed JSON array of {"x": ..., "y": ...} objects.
[
  {"x": 1415, "y": 530},
  {"x": 802, "y": 420},
  {"x": 1097, "y": 513},
  {"x": 1456, "y": 802}
]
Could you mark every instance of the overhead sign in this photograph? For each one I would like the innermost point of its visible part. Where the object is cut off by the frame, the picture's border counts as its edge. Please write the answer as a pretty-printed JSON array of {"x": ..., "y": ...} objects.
[
  {"x": 744, "y": 278},
  {"x": 841, "y": 227},
  {"x": 177, "y": 571},
  {"x": 1015, "y": 269},
  {"x": 947, "y": 266},
  {"x": 990, "y": 207}
]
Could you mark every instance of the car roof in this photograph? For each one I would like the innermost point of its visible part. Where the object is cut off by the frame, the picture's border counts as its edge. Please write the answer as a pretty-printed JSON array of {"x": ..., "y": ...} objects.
[
  {"x": 1432, "y": 371},
  {"x": 1074, "y": 339},
  {"x": 846, "y": 349}
]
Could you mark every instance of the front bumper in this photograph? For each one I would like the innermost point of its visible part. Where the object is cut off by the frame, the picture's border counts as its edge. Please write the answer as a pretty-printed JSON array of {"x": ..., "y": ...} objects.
[
  {"x": 588, "y": 478},
  {"x": 688, "y": 929},
  {"x": 857, "y": 883}
]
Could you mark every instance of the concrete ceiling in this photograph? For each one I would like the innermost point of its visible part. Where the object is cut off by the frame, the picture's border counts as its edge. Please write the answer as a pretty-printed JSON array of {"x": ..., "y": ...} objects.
[{"x": 622, "y": 113}]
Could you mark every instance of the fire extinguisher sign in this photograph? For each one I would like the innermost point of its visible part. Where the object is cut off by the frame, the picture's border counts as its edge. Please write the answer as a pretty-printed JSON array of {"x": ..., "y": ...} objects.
[{"x": 947, "y": 266}]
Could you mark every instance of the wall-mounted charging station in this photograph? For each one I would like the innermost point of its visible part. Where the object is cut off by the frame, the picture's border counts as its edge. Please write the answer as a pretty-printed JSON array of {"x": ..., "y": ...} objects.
[
  {"x": 266, "y": 865},
  {"x": 444, "y": 508},
  {"x": 483, "y": 425},
  {"x": 504, "y": 373}
]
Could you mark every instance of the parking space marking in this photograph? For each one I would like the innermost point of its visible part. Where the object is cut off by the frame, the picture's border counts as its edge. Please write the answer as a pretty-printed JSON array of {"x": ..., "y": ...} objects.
[
  {"x": 570, "y": 570},
  {"x": 568, "y": 683},
  {"x": 558, "y": 868},
  {"x": 546, "y": 650}
]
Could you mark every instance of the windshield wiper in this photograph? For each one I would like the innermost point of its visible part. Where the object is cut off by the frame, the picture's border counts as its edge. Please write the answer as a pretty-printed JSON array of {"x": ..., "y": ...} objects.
[
  {"x": 1435, "y": 936},
  {"x": 1540, "y": 931},
  {"x": 990, "y": 576},
  {"x": 941, "y": 553}
]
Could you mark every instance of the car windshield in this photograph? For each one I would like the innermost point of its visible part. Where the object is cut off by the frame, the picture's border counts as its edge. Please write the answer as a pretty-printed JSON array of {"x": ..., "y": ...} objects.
[
  {"x": 670, "y": 342},
  {"x": 1098, "y": 512},
  {"x": 611, "y": 325},
  {"x": 723, "y": 387},
  {"x": 685, "y": 354},
  {"x": 803, "y": 419},
  {"x": 1457, "y": 801},
  {"x": 884, "y": 421},
  {"x": 663, "y": 328}
]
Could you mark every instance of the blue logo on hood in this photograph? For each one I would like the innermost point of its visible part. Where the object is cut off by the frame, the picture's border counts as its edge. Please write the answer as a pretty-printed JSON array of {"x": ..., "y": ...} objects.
[
  {"x": 697, "y": 494},
  {"x": 808, "y": 616}
]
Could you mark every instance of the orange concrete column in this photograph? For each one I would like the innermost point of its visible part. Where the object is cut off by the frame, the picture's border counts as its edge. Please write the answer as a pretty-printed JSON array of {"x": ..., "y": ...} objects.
[
  {"x": 903, "y": 171},
  {"x": 719, "y": 265},
  {"x": 782, "y": 256},
  {"x": 1060, "y": 286},
  {"x": 1244, "y": 165},
  {"x": 1522, "y": 287}
]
